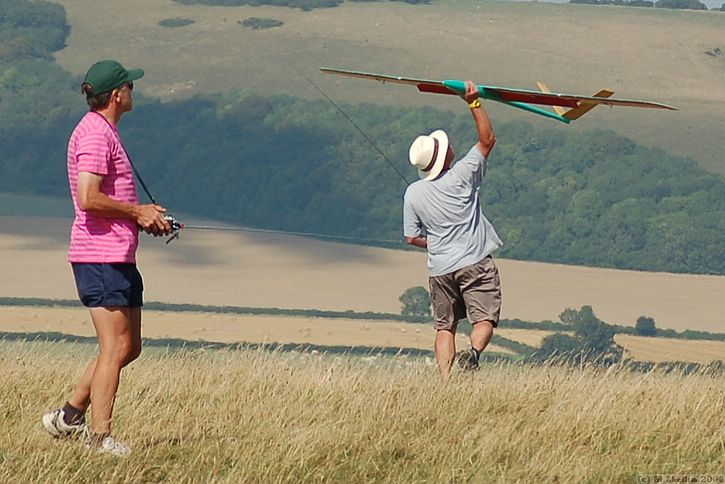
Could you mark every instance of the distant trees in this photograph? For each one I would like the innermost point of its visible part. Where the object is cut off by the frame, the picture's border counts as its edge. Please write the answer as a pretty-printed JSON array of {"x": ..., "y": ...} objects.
[
  {"x": 175, "y": 22},
  {"x": 672, "y": 4},
  {"x": 681, "y": 4},
  {"x": 36, "y": 96},
  {"x": 258, "y": 23},
  {"x": 305, "y": 5},
  {"x": 623, "y": 3},
  {"x": 592, "y": 198},
  {"x": 645, "y": 326},
  {"x": 569, "y": 316},
  {"x": 592, "y": 340},
  {"x": 558, "y": 345},
  {"x": 596, "y": 336},
  {"x": 416, "y": 302},
  {"x": 31, "y": 29}
]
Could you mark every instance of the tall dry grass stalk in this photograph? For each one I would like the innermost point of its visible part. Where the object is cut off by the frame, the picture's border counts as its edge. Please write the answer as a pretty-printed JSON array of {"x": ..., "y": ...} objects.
[{"x": 258, "y": 416}]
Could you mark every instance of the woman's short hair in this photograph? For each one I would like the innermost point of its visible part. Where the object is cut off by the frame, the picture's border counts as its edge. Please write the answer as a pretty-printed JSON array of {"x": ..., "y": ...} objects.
[{"x": 98, "y": 101}]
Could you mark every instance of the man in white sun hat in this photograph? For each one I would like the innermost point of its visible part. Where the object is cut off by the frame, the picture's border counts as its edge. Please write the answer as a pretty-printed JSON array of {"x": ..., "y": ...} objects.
[{"x": 442, "y": 213}]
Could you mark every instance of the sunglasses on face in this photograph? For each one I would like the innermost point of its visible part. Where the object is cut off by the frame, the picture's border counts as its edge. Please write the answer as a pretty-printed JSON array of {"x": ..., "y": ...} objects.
[{"x": 130, "y": 86}]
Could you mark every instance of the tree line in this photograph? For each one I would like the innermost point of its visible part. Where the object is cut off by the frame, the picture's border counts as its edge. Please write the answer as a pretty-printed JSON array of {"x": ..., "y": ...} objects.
[
  {"x": 278, "y": 162},
  {"x": 671, "y": 4},
  {"x": 305, "y": 5},
  {"x": 580, "y": 339}
]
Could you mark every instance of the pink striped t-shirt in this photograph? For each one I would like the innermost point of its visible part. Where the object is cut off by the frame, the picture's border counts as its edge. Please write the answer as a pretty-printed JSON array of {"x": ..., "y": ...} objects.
[{"x": 95, "y": 147}]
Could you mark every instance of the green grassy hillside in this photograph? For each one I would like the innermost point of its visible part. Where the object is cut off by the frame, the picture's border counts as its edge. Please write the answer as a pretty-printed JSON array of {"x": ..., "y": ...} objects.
[
  {"x": 589, "y": 197},
  {"x": 654, "y": 54}
]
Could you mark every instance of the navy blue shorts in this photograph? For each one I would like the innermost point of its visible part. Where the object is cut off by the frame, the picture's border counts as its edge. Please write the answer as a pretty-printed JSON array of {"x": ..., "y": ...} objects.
[{"x": 108, "y": 285}]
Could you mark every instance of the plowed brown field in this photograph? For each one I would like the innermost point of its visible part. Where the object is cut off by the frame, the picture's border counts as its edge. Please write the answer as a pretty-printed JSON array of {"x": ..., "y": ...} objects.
[{"x": 264, "y": 270}]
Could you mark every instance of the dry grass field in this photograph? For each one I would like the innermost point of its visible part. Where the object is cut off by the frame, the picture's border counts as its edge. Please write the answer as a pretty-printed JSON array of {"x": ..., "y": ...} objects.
[
  {"x": 264, "y": 270},
  {"x": 638, "y": 347},
  {"x": 662, "y": 349},
  {"x": 642, "y": 53},
  {"x": 248, "y": 415},
  {"x": 257, "y": 416},
  {"x": 234, "y": 328},
  {"x": 529, "y": 337}
]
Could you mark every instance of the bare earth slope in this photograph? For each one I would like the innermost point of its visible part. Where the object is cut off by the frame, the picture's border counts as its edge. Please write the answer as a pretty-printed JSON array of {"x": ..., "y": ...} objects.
[
  {"x": 261, "y": 270},
  {"x": 642, "y": 53}
]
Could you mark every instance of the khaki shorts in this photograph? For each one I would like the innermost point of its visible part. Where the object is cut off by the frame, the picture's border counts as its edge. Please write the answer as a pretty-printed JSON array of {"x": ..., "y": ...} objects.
[{"x": 473, "y": 291}]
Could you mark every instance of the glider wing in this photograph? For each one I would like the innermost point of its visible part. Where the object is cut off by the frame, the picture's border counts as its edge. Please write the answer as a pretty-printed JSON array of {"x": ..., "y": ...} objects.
[{"x": 518, "y": 98}]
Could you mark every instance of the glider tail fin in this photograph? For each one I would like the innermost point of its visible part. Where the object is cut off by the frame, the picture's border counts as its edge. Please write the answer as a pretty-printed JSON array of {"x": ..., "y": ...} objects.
[
  {"x": 585, "y": 107},
  {"x": 579, "y": 111},
  {"x": 544, "y": 88}
]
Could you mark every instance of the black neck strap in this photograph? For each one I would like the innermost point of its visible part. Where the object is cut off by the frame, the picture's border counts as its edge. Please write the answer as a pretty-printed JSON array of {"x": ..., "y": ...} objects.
[{"x": 133, "y": 167}]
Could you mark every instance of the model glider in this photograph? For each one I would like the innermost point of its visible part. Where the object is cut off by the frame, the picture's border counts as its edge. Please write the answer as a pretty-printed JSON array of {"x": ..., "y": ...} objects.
[{"x": 567, "y": 107}]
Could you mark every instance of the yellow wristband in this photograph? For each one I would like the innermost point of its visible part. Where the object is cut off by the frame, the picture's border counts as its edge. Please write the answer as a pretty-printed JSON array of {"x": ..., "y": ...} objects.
[{"x": 475, "y": 104}]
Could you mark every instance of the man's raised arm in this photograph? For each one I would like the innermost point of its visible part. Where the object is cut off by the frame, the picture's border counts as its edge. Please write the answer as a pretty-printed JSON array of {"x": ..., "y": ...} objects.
[{"x": 486, "y": 137}]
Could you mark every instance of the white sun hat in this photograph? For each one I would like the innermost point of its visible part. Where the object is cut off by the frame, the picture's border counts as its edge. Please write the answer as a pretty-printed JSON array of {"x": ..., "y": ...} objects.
[{"x": 428, "y": 154}]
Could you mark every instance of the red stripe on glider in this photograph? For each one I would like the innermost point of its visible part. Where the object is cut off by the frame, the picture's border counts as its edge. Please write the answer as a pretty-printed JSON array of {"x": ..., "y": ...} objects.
[
  {"x": 435, "y": 88},
  {"x": 536, "y": 99}
]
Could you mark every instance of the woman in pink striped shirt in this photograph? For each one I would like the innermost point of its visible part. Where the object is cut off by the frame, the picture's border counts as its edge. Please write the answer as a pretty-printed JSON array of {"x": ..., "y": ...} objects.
[{"x": 103, "y": 244}]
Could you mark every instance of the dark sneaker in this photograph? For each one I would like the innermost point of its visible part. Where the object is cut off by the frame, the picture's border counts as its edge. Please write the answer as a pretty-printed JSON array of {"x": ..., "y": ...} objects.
[
  {"x": 468, "y": 360},
  {"x": 56, "y": 426}
]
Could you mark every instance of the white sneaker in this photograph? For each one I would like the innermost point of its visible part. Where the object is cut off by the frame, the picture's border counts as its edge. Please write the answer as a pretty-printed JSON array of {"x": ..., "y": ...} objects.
[
  {"x": 56, "y": 426},
  {"x": 109, "y": 445}
]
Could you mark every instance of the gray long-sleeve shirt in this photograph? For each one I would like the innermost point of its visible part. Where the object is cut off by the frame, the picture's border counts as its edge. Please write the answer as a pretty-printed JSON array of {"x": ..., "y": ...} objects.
[{"x": 449, "y": 211}]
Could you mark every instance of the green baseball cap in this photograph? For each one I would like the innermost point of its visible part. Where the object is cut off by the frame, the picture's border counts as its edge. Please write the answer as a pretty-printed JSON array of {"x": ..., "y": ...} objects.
[{"x": 107, "y": 75}]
